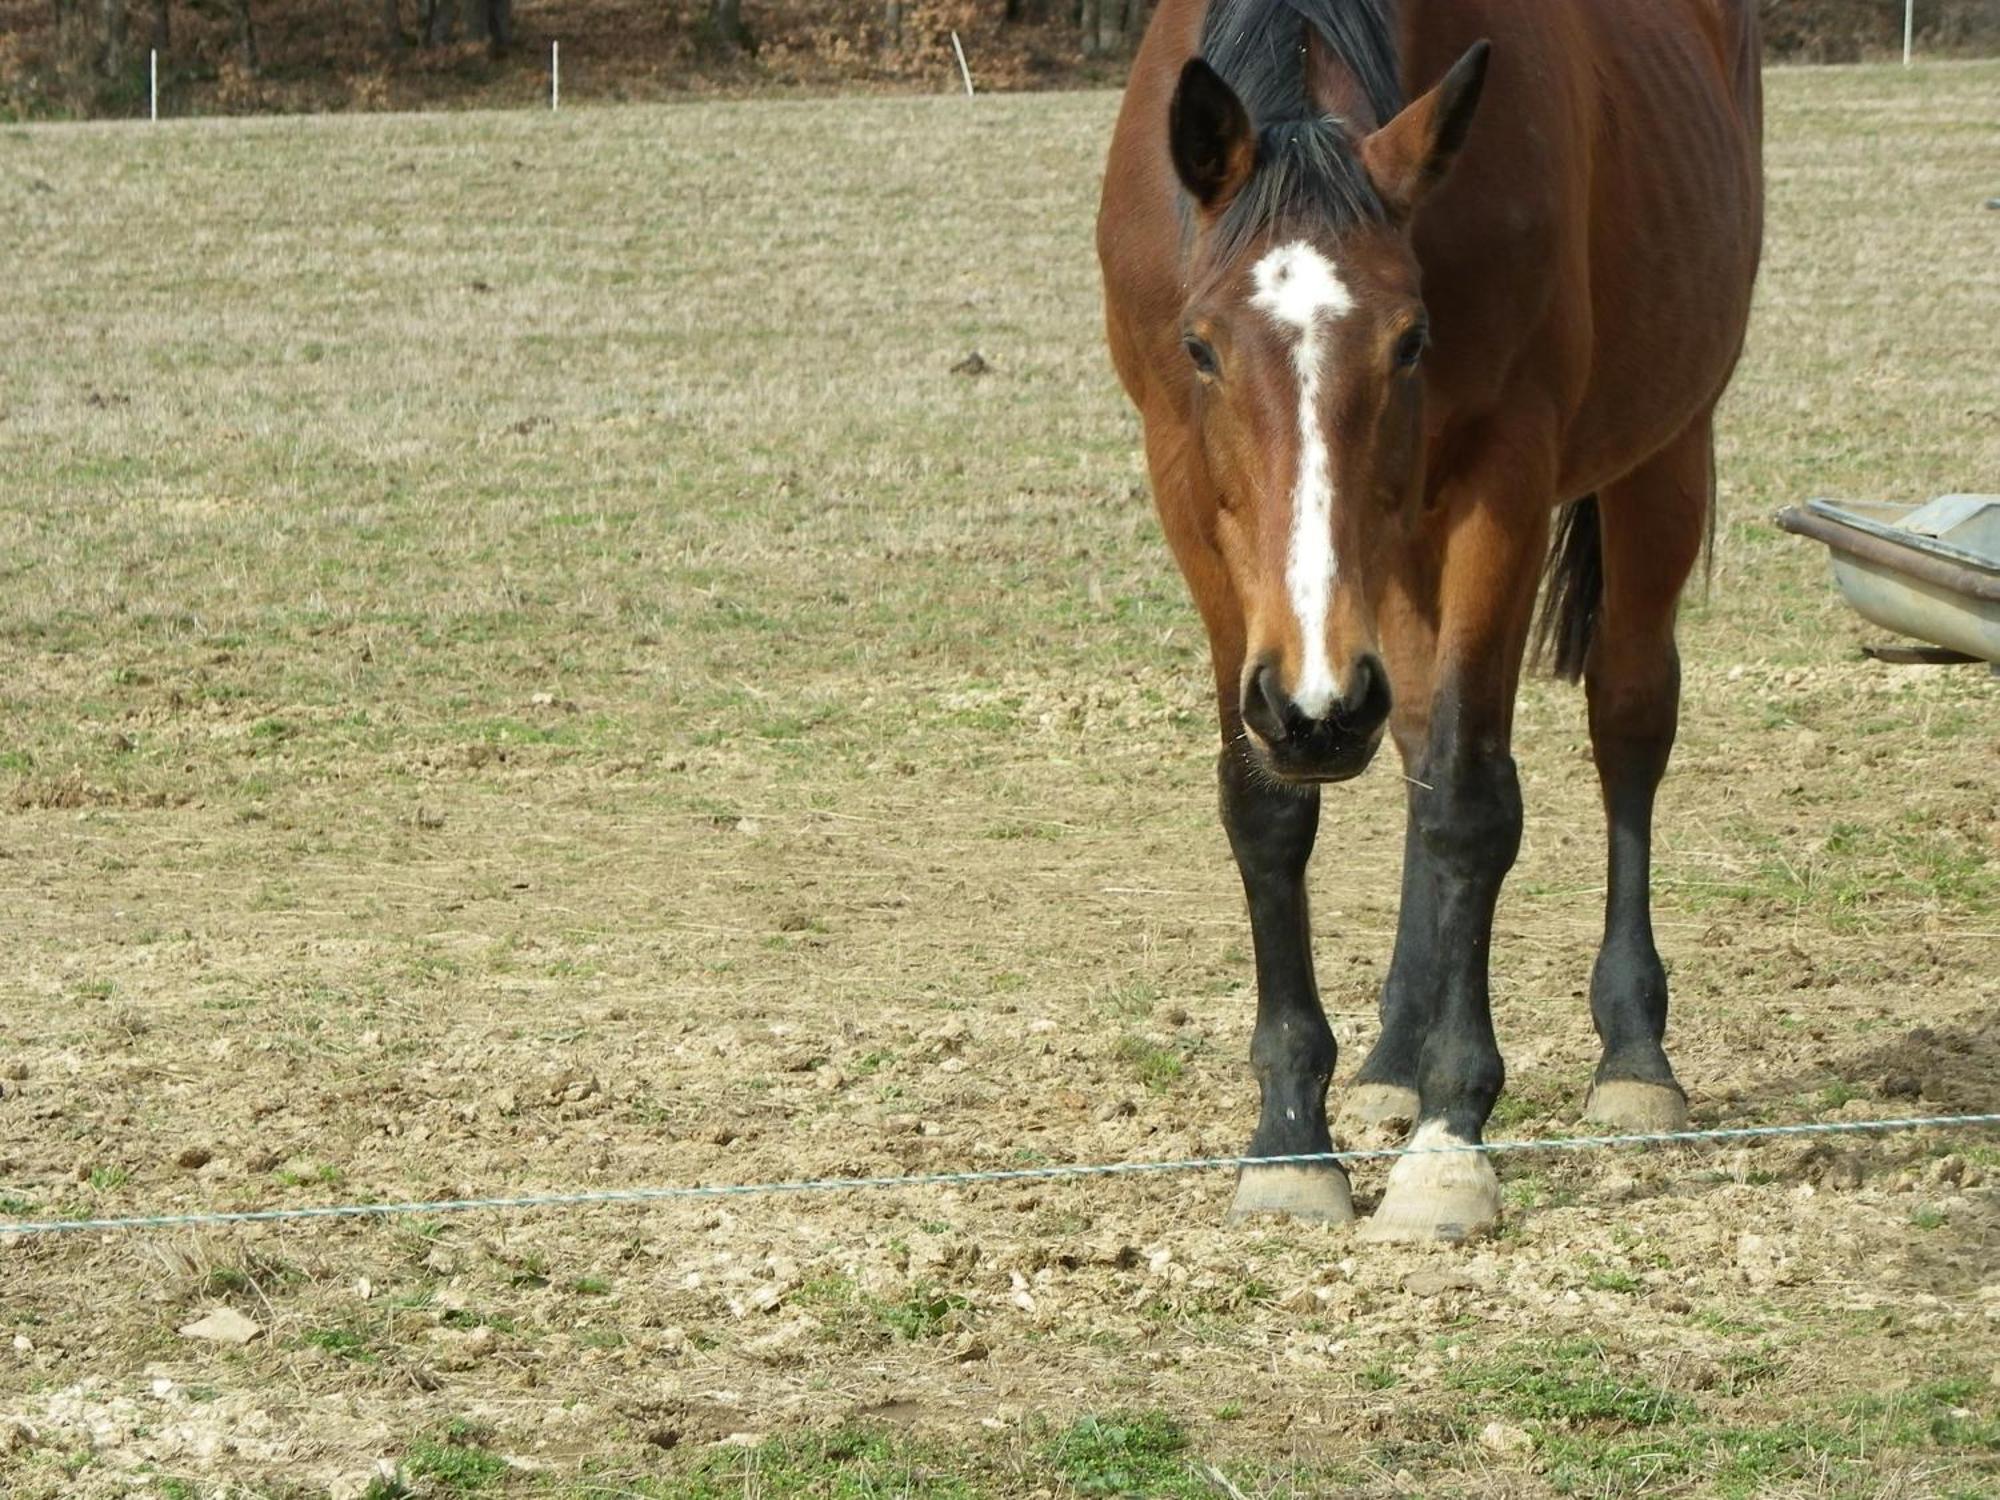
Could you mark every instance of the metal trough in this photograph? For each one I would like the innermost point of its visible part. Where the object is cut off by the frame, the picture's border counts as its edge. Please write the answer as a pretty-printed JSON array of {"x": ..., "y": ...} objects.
[{"x": 1932, "y": 572}]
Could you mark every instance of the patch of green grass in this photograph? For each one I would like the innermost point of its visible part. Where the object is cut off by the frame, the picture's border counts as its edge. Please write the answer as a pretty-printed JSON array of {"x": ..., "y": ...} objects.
[
  {"x": 1158, "y": 1065},
  {"x": 1612, "y": 1279},
  {"x": 850, "y": 1463},
  {"x": 1125, "y": 1453},
  {"x": 457, "y": 1462},
  {"x": 922, "y": 1312},
  {"x": 343, "y": 1342},
  {"x": 1570, "y": 1382}
]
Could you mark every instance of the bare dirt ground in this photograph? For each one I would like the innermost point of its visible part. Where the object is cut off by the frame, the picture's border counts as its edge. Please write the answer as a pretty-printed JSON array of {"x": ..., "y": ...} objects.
[{"x": 523, "y": 669}]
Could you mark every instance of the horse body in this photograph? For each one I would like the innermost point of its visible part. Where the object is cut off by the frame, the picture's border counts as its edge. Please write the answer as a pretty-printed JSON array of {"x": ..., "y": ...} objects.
[{"x": 1368, "y": 403}]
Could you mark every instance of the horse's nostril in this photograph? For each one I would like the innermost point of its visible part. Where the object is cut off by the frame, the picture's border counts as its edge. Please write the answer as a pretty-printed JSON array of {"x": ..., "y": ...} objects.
[
  {"x": 1365, "y": 704},
  {"x": 1266, "y": 709},
  {"x": 1276, "y": 704}
]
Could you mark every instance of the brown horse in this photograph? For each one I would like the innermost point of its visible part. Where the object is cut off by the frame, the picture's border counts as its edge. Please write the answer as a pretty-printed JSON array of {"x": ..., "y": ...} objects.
[{"x": 1398, "y": 353}]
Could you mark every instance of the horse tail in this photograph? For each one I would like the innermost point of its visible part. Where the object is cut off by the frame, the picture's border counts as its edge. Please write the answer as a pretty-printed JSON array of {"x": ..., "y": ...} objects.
[{"x": 1573, "y": 590}]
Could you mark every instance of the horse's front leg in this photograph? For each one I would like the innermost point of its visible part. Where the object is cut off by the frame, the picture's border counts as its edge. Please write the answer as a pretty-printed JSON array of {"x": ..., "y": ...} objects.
[
  {"x": 1271, "y": 830},
  {"x": 1465, "y": 830}
]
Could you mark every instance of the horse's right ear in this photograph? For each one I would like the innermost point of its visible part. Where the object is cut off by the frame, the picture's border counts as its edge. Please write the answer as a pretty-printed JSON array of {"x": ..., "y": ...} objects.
[{"x": 1214, "y": 144}]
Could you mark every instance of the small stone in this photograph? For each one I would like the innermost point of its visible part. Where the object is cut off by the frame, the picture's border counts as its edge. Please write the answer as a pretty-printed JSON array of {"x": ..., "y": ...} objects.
[
  {"x": 479, "y": 1343},
  {"x": 23, "y": 1344},
  {"x": 1117, "y": 1109},
  {"x": 1501, "y": 1437},
  {"x": 194, "y": 1158},
  {"x": 223, "y": 1326},
  {"x": 15, "y": 1069},
  {"x": 1902, "y": 1086}
]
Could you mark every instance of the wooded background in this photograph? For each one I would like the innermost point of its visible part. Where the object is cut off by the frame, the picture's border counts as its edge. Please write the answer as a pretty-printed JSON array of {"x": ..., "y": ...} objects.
[{"x": 88, "y": 57}]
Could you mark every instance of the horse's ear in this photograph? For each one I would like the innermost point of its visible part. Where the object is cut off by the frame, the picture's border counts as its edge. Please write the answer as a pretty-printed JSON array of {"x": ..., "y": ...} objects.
[
  {"x": 1409, "y": 156},
  {"x": 1213, "y": 142}
]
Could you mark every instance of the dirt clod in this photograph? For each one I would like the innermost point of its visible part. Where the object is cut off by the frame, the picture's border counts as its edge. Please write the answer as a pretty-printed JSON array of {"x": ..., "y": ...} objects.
[{"x": 193, "y": 1158}]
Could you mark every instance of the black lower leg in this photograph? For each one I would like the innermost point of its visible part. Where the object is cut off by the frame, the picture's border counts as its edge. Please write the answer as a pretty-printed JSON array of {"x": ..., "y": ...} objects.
[
  {"x": 1628, "y": 984},
  {"x": 1271, "y": 831},
  {"x": 1410, "y": 991},
  {"x": 1469, "y": 819}
]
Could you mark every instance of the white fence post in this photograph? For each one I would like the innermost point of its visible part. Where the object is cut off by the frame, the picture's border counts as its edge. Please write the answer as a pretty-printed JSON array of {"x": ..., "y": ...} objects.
[
  {"x": 1909, "y": 28},
  {"x": 555, "y": 75},
  {"x": 963, "y": 71},
  {"x": 153, "y": 73}
]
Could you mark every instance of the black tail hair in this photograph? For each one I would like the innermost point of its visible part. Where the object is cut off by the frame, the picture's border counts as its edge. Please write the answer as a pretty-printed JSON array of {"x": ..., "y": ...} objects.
[{"x": 1573, "y": 589}]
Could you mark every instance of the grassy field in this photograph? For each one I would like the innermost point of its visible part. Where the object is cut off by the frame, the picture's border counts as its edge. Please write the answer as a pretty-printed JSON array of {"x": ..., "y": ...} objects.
[{"x": 521, "y": 667}]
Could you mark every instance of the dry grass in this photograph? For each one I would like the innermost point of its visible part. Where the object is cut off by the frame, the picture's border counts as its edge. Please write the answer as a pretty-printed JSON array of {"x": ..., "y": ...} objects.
[{"x": 523, "y": 668}]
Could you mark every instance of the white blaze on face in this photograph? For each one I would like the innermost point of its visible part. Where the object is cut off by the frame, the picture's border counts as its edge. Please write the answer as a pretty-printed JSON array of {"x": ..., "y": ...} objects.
[{"x": 1299, "y": 289}]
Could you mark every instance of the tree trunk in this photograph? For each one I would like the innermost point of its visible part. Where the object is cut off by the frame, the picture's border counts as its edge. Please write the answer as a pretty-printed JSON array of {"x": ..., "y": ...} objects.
[
  {"x": 473, "y": 15},
  {"x": 499, "y": 26},
  {"x": 246, "y": 35},
  {"x": 162, "y": 29},
  {"x": 439, "y": 19},
  {"x": 1088, "y": 23},
  {"x": 1137, "y": 14},
  {"x": 70, "y": 34},
  {"x": 111, "y": 37},
  {"x": 725, "y": 25},
  {"x": 892, "y": 25},
  {"x": 392, "y": 25}
]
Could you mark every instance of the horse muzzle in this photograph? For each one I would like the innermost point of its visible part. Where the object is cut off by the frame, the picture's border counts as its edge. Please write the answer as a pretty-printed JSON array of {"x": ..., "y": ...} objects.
[{"x": 1336, "y": 746}]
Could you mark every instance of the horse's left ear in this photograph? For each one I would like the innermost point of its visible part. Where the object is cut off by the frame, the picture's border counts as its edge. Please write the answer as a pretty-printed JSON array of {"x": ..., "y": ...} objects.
[
  {"x": 1209, "y": 132},
  {"x": 1410, "y": 155}
]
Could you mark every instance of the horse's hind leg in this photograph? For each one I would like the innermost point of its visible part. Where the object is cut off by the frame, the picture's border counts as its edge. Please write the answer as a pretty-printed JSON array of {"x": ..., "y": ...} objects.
[{"x": 1651, "y": 525}]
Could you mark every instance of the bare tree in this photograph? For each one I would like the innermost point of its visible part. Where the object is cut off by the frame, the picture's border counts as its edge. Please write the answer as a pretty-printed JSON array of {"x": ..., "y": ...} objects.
[
  {"x": 892, "y": 24},
  {"x": 111, "y": 37},
  {"x": 438, "y": 20},
  {"x": 246, "y": 34},
  {"x": 1089, "y": 25},
  {"x": 726, "y": 30}
]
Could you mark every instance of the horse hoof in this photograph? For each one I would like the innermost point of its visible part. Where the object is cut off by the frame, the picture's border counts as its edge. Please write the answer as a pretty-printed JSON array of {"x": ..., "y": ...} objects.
[
  {"x": 1376, "y": 1114},
  {"x": 1316, "y": 1194},
  {"x": 1627, "y": 1104},
  {"x": 1434, "y": 1196}
]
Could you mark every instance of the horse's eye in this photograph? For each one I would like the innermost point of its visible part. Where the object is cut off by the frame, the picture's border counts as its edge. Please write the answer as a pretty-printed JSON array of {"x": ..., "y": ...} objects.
[
  {"x": 1203, "y": 356},
  {"x": 1410, "y": 347}
]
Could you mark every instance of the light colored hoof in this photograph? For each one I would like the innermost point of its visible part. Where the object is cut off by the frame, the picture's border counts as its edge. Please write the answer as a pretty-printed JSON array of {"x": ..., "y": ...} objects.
[
  {"x": 1318, "y": 1194},
  {"x": 1436, "y": 1195},
  {"x": 1376, "y": 1114},
  {"x": 1624, "y": 1104}
]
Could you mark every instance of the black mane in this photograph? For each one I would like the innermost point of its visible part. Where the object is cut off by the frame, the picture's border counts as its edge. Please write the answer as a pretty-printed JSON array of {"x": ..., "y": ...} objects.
[{"x": 1306, "y": 166}]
